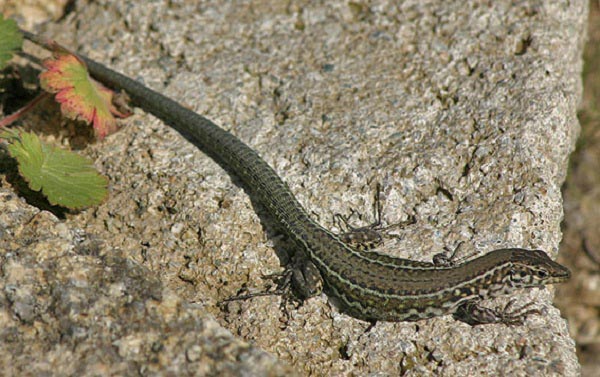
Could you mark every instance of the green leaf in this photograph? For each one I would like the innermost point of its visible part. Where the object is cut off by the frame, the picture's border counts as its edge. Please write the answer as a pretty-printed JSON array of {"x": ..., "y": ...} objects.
[
  {"x": 65, "y": 178},
  {"x": 10, "y": 40}
]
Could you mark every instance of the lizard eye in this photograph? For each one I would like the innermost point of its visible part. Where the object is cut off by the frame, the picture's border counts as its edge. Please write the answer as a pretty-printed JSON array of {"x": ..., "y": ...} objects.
[{"x": 542, "y": 274}]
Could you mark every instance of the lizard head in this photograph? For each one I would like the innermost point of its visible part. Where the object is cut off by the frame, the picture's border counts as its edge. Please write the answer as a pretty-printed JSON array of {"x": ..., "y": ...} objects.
[{"x": 533, "y": 268}]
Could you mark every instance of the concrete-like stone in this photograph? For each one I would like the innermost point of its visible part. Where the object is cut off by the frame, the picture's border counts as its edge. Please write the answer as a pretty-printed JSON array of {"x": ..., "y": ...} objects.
[
  {"x": 66, "y": 309},
  {"x": 465, "y": 113}
]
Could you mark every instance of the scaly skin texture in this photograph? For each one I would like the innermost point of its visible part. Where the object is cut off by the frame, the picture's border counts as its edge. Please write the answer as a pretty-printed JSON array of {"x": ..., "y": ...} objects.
[{"x": 369, "y": 285}]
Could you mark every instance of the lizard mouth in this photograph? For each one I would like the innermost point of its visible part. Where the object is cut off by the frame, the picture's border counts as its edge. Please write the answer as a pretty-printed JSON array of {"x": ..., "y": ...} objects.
[{"x": 563, "y": 275}]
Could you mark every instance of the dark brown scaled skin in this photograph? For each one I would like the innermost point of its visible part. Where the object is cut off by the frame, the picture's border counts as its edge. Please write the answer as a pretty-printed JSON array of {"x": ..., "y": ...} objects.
[{"x": 369, "y": 285}]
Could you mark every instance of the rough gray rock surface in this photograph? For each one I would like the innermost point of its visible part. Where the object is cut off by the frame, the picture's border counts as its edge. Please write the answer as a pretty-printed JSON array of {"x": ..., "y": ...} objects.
[
  {"x": 72, "y": 307},
  {"x": 464, "y": 112}
]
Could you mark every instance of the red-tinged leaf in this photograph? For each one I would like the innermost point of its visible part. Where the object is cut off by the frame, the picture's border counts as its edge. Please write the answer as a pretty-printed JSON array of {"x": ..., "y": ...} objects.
[{"x": 80, "y": 97}]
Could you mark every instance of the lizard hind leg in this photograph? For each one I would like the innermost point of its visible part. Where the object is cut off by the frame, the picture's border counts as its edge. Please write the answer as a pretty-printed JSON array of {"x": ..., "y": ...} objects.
[{"x": 299, "y": 281}]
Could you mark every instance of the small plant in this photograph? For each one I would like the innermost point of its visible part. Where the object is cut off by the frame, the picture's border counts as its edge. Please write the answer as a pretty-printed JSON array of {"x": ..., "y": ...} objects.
[{"x": 64, "y": 177}]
